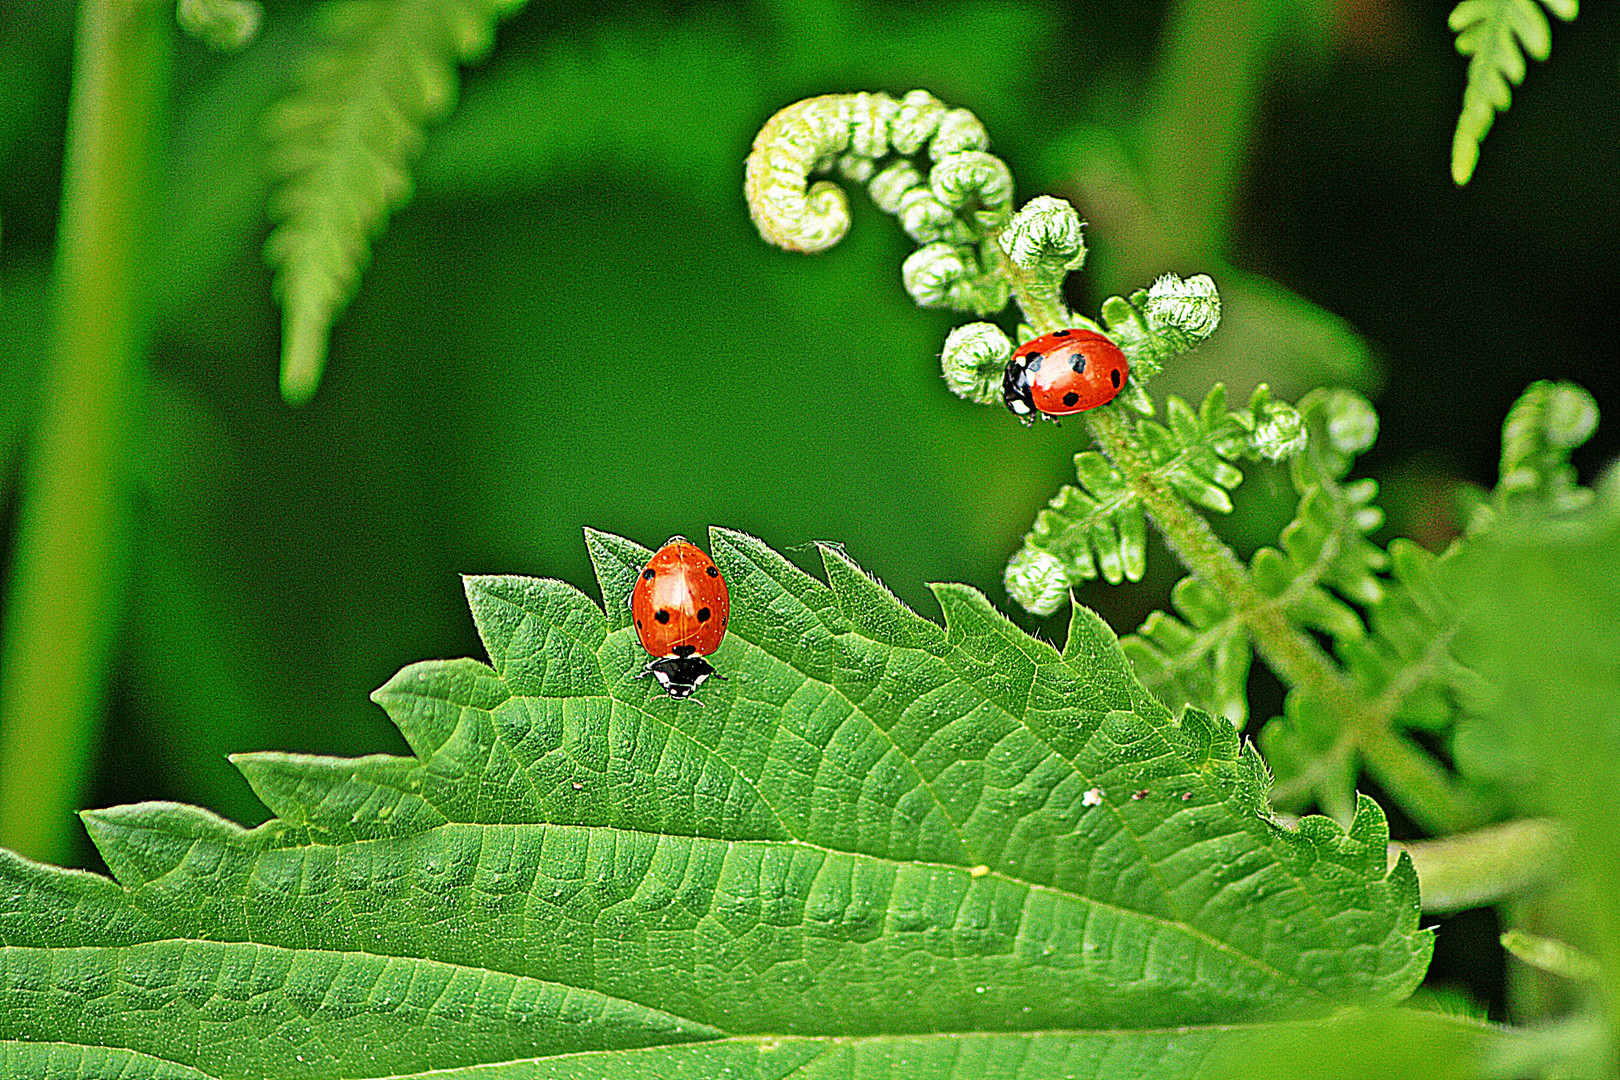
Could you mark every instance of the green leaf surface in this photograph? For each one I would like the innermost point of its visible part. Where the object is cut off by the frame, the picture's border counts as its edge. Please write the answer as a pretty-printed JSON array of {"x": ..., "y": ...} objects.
[
  {"x": 883, "y": 847},
  {"x": 1545, "y": 633}
]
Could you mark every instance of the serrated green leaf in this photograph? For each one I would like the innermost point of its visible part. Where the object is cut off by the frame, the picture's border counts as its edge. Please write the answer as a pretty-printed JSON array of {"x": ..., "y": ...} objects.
[
  {"x": 1495, "y": 35},
  {"x": 882, "y": 847}
]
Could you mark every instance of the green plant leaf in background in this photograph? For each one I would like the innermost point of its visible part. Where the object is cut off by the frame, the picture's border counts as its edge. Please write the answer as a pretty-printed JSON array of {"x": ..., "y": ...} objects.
[
  {"x": 884, "y": 847},
  {"x": 1545, "y": 632},
  {"x": 1495, "y": 35},
  {"x": 343, "y": 144}
]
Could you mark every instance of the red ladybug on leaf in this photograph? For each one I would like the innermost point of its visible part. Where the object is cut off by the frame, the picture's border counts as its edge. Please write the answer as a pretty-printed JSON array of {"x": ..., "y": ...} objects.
[{"x": 680, "y": 606}]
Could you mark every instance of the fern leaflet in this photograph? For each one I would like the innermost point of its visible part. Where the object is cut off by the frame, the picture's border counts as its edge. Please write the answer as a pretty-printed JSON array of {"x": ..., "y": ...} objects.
[
  {"x": 1099, "y": 526},
  {"x": 1402, "y": 667},
  {"x": 342, "y": 144},
  {"x": 1496, "y": 35}
]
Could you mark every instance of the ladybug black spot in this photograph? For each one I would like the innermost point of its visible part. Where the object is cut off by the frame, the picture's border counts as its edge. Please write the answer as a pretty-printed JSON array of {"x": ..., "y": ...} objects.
[
  {"x": 684, "y": 650},
  {"x": 712, "y": 572},
  {"x": 648, "y": 574},
  {"x": 1078, "y": 362},
  {"x": 1062, "y": 333},
  {"x": 638, "y": 624},
  {"x": 1070, "y": 398},
  {"x": 703, "y": 614},
  {"x": 1113, "y": 377},
  {"x": 663, "y": 615}
]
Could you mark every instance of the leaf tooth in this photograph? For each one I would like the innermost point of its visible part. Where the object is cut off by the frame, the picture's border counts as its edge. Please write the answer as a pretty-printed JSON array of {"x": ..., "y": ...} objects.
[
  {"x": 616, "y": 561},
  {"x": 541, "y": 634},
  {"x": 358, "y": 798},
  {"x": 424, "y": 700},
  {"x": 967, "y": 611},
  {"x": 872, "y": 610},
  {"x": 1206, "y": 738},
  {"x": 145, "y": 841},
  {"x": 778, "y": 607}
]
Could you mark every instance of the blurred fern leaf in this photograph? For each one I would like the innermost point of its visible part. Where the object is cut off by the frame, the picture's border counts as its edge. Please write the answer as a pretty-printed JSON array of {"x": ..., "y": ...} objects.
[
  {"x": 1496, "y": 35},
  {"x": 342, "y": 144}
]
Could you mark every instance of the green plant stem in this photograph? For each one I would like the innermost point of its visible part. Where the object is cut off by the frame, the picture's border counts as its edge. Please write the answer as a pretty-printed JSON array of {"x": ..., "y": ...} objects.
[
  {"x": 1485, "y": 866},
  {"x": 67, "y": 582},
  {"x": 1288, "y": 649},
  {"x": 1039, "y": 298}
]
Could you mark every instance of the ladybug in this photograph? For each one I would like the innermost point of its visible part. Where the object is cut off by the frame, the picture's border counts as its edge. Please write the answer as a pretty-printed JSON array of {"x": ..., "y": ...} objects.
[
  {"x": 1064, "y": 372},
  {"x": 680, "y": 607}
]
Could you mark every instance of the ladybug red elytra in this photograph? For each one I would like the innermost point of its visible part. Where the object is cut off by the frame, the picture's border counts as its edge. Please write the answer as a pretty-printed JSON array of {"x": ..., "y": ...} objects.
[
  {"x": 680, "y": 606},
  {"x": 1064, "y": 372}
]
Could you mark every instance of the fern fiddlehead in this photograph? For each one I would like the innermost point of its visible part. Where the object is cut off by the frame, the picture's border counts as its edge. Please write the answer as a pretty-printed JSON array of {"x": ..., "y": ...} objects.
[{"x": 922, "y": 162}]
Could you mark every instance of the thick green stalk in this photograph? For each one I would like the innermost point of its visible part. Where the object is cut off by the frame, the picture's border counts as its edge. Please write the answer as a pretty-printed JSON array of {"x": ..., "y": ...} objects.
[
  {"x": 1201, "y": 112},
  {"x": 67, "y": 581},
  {"x": 1486, "y": 866}
]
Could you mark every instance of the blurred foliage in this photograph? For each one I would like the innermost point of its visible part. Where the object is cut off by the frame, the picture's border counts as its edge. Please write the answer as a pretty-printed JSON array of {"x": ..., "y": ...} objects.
[{"x": 574, "y": 322}]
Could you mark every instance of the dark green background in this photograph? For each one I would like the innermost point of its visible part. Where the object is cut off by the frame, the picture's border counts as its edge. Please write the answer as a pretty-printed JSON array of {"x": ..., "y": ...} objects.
[{"x": 574, "y": 323}]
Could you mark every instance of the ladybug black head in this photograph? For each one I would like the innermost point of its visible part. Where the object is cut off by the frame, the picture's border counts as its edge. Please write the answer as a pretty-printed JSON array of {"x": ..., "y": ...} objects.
[
  {"x": 1015, "y": 389},
  {"x": 679, "y": 675}
]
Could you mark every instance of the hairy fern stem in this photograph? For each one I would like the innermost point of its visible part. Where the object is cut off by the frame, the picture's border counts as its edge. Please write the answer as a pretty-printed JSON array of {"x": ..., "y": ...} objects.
[{"x": 1424, "y": 789}]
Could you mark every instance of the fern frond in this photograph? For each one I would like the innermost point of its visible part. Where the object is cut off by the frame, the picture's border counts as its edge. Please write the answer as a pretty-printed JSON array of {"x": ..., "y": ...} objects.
[
  {"x": 1099, "y": 526},
  {"x": 1156, "y": 324},
  {"x": 1547, "y": 422},
  {"x": 1200, "y": 659},
  {"x": 1402, "y": 666},
  {"x": 342, "y": 144},
  {"x": 1496, "y": 35},
  {"x": 1204, "y": 660}
]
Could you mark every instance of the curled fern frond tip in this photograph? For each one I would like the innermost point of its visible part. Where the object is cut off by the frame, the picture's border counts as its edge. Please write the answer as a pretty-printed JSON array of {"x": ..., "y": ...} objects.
[
  {"x": 1571, "y": 415},
  {"x": 948, "y": 201},
  {"x": 799, "y": 140},
  {"x": 943, "y": 275},
  {"x": 973, "y": 361},
  {"x": 1278, "y": 430},
  {"x": 1037, "y": 580},
  {"x": 222, "y": 25},
  {"x": 1045, "y": 230},
  {"x": 1190, "y": 305}
]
